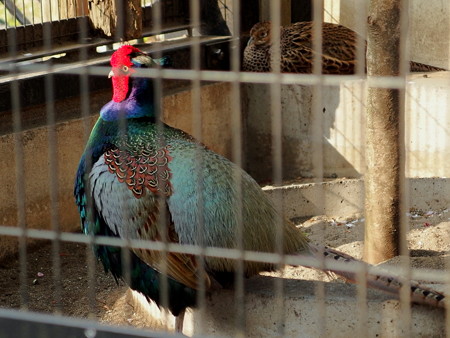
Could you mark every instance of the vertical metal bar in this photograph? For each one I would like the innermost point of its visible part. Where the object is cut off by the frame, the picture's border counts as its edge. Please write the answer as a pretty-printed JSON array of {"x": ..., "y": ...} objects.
[
  {"x": 53, "y": 180},
  {"x": 41, "y": 3},
  {"x": 32, "y": 13},
  {"x": 405, "y": 295},
  {"x": 125, "y": 253},
  {"x": 20, "y": 174},
  {"x": 360, "y": 39},
  {"x": 6, "y": 17},
  {"x": 317, "y": 142},
  {"x": 53, "y": 172},
  {"x": 120, "y": 27},
  {"x": 277, "y": 156},
  {"x": 447, "y": 260},
  {"x": 360, "y": 70},
  {"x": 125, "y": 257},
  {"x": 90, "y": 261},
  {"x": 158, "y": 94},
  {"x": 25, "y": 19},
  {"x": 86, "y": 120},
  {"x": 236, "y": 125},
  {"x": 20, "y": 188},
  {"x": 15, "y": 14},
  {"x": 122, "y": 123},
  {"x": 197, "y": 129},
  {"x": 362, "y": 311},
  {"x": 317, "y": 138},
  {"x": 50, "y": 10}
]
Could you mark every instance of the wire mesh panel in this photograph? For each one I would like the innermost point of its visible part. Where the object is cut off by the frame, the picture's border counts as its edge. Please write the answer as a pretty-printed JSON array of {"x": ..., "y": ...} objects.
[{"x": 165, "y": 207}]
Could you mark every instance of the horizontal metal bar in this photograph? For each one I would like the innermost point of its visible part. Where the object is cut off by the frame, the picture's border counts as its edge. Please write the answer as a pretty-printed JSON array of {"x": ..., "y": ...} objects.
[
  {"x": 70, "y": 46},
  {"x": 19, "y": 324},
  {"x": 206, "y": 75},
  {"x": 38, "y": 69},
  {"x": 246, "y": 255}
]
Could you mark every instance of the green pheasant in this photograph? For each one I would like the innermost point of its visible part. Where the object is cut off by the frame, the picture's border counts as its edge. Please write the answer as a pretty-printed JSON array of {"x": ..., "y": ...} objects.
[{"x": 139, "y": 180}]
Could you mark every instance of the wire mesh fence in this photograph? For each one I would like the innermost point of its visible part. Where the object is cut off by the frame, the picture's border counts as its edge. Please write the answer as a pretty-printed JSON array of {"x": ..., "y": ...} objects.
[{"x": 302, "y": 135}]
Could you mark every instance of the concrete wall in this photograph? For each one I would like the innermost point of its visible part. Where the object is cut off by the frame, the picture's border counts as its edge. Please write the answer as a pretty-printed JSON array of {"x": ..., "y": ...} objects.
[
  {"x": 342, "y": 115},
  {"x": 428, "y": 122},
  {"x": 36, "y": 179},
  {"x": 429, "y": 26},
  {"x": 345, "y": 197},
  {"x": 70, "y": 140},
  {"x": 217, "y": 131},
  {"x": 296, "y": 138}
]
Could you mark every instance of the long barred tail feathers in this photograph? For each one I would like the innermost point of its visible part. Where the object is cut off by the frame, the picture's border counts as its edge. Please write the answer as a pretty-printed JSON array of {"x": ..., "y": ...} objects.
[
  {"x": 419, "y": 294},
  {"x": 421, "y": 67}
]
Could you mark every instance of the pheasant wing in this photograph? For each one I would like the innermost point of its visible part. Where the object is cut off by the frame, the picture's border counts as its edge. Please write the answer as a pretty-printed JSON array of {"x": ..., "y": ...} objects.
[{"x": 129, "y": 190}]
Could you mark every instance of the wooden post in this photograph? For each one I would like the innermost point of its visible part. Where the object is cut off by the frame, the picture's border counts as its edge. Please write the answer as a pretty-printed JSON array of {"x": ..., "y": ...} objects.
[
  {"x": 119, "y": 18},
  {"x": 382, "y": 178},
  {"x": 72, "y": 8}
]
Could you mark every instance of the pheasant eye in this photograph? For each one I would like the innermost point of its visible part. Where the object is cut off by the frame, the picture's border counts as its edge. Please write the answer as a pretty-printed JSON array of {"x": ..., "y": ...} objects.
[
  {"x": 125, "y": 69},
  {"x": 263, "y": 34}
]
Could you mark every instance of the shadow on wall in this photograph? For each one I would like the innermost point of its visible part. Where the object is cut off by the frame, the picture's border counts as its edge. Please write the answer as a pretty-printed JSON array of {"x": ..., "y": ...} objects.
[{"x": 301, "y": 142}]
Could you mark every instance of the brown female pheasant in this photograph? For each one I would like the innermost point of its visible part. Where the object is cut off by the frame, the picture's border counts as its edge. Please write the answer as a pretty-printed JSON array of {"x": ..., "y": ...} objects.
[{"x": 297, "y": 54}]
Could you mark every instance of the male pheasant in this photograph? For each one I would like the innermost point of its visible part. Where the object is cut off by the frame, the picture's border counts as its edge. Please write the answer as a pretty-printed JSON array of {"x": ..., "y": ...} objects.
[
  {"x": 139, "y": 179},
  {"x": 297, "y": 53}
]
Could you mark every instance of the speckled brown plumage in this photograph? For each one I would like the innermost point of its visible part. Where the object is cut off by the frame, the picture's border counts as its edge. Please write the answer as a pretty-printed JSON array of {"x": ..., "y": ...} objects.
[
  {"x": 148, "y": 170},
  {"x": 297, "y": 54}
]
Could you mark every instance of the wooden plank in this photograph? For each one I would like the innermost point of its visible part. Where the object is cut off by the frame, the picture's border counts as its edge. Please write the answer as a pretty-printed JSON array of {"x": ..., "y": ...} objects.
[
  {"x": 73, "y": 8},
  {"x": 133, "y": 19},
  {"x": 119, "y": 19},
  {"x": 32, "y": 36}
]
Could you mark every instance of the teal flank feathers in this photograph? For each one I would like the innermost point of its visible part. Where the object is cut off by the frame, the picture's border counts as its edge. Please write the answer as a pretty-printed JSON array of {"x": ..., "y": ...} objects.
[
  {"x": 140, "y": 180},
  {"x": 143, "y": 277}
]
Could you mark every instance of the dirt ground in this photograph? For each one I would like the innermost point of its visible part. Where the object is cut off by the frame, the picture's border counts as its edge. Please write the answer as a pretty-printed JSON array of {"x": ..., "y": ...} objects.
[{"x": 428, "y": 241}]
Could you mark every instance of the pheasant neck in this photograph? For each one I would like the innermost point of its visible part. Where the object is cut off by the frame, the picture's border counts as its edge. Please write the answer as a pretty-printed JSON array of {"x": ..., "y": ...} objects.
[{"x": 138, "y": 103}]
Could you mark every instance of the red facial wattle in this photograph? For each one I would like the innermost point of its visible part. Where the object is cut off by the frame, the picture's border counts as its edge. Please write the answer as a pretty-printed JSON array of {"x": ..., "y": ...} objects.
[
  {"x": 122, "y": 67},
  {"x": 120, "y": 87}
]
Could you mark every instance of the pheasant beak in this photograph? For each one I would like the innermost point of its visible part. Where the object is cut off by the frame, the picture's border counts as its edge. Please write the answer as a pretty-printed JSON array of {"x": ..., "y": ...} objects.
[
  {"x": 250, "y": 41},
  {"x": 111, "y": 74}
]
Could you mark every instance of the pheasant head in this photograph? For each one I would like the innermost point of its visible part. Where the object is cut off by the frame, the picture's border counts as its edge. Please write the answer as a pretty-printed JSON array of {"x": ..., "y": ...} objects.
[
  {"x": 123, "y": 62},
  {"x": 132, "y": 94},
  {"x": 260, "y": 34}
]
